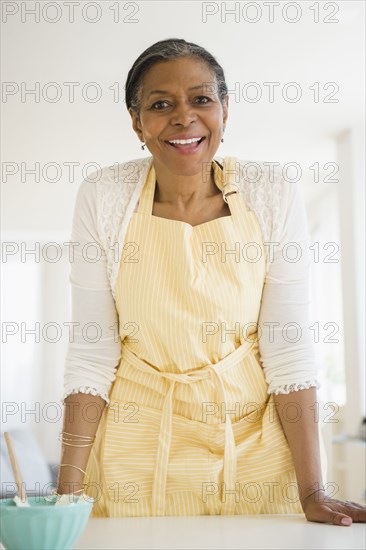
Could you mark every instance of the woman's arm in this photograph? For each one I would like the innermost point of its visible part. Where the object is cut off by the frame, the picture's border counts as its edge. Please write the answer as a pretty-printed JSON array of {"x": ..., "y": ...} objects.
[
  {"x": 94, "y": 350},
  {"x": 286, "y": 342},
  {"x": 288, "y": 355},
  {"x": 79, "y": 409},
  {"x": 297, "y": 414},
  {"x": 303, "y": 439}
]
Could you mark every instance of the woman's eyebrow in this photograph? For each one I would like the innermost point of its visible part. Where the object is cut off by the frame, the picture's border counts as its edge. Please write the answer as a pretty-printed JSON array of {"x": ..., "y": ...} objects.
[{"x": 167, "y": 91}]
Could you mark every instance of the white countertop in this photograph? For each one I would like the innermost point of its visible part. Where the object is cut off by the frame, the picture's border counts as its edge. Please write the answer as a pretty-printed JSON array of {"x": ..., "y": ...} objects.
[{"x": 259, "y": 532}]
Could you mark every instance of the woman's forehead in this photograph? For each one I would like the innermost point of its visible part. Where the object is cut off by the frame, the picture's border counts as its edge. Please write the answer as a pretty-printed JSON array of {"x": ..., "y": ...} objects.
[{"x": 169, "y": 75}]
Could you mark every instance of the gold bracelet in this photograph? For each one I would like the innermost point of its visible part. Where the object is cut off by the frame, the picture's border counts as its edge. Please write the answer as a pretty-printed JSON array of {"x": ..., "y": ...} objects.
[
  {"x": 82, "y": 439},
  {"x": 65, "y": 439},
  {"x": 74, "y": 439},
  {"x": 77, "y": 438},
  {"x": 71, "y": 445},
  {"x": 73, "y": 466},
  {"x": 82, "y": 436}
]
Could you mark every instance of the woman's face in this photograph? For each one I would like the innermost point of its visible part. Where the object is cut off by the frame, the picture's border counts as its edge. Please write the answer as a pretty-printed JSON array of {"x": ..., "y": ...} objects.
[{"x": 178, "y": 112}]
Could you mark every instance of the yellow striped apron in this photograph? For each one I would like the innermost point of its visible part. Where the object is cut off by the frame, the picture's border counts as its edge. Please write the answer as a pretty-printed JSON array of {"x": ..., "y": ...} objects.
[{"x": 190, "y": 429}]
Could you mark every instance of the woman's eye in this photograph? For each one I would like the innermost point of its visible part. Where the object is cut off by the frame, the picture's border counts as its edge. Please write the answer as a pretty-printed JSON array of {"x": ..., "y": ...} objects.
[
  {"x": 161, "y": 102},
  {"x": 157, "y": 103},
  {"x": 204, "y": 97}
]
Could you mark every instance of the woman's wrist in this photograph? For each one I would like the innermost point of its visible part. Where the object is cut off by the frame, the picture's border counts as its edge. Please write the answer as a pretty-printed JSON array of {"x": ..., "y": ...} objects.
[
  {"x": 68, "y": 486},
  {"x": 70, "y": 478},
  {"x": 312, "y": 495}
]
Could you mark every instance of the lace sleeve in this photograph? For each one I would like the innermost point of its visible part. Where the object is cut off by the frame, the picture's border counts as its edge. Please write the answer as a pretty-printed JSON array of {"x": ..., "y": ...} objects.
[
  {"x": 94, "y": 350},
  {"x": 285, "y": 341}
]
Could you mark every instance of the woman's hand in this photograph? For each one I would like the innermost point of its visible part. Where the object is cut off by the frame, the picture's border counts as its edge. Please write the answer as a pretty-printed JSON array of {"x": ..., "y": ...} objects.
[{"x": 318, "y": 507}]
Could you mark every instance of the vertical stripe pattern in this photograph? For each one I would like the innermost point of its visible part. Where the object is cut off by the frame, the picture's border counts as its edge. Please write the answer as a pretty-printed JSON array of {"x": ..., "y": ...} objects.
[{"x": 190, "y": 429}]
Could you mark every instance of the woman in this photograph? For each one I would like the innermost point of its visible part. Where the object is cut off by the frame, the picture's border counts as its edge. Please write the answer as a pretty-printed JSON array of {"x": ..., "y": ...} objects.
[{"x": 199, "y": 384}]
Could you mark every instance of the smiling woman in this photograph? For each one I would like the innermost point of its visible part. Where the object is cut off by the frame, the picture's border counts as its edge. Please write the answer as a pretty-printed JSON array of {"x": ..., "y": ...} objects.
[
  {"x": 180, "y": 112},
  {"x": 179, "y": 108},
  {"x": 166, "y": 444}
]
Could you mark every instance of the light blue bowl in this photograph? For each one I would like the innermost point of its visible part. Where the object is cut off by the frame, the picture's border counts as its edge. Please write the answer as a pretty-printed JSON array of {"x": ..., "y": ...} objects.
[{"x": 43, "y": 526}]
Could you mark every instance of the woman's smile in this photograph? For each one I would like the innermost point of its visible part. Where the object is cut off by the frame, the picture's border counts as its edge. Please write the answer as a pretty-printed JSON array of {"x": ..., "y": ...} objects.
[{"x": 186, "y": 148}]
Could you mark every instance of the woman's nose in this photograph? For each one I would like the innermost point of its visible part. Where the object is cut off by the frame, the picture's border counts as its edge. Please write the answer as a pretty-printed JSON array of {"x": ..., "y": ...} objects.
[{"x": 183, "y": 114}]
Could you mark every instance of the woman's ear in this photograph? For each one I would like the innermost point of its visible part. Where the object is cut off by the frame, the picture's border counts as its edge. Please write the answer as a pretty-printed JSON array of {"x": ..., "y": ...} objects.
[
  {"x": 136, "y": 123},
  {"x": 226, "y": 109}
]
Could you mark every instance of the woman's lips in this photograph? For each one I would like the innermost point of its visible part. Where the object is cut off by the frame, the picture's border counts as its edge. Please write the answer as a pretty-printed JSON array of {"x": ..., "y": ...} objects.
[{"x": 186, "y": 149}]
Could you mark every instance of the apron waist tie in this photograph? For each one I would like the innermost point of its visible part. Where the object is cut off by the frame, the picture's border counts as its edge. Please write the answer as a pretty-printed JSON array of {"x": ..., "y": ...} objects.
[{"x": 213, "y": 371}]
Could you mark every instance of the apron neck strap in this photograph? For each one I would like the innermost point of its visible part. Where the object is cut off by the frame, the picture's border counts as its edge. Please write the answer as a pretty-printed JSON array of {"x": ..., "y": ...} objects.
[{"x": 226, "y": 179}]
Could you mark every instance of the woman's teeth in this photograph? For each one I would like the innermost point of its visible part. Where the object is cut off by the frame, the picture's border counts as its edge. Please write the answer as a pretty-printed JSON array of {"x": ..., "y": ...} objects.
[{"x": 175, "y": 142}]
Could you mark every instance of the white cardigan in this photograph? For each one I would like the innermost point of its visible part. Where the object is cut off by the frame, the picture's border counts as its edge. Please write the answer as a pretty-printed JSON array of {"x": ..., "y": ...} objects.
[{"x": 104, "y": 204}]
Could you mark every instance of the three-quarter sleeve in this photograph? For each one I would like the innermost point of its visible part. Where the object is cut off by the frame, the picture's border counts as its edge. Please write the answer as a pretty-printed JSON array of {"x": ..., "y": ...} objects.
[
  {"x": 94, "y": 348},
  {"x": 285, "y": 340}
]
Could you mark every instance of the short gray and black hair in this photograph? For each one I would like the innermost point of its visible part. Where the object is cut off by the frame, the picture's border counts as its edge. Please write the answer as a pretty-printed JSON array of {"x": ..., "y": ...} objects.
[{"x": 167, "y": 50}]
